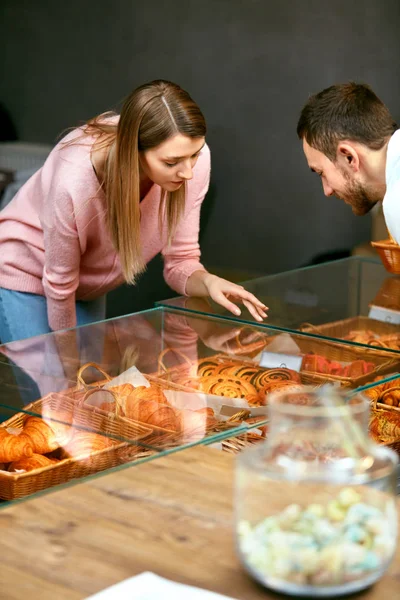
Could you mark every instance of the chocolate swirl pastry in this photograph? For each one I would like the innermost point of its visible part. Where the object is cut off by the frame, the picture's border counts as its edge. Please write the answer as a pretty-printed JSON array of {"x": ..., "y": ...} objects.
[
  {"x": 207, "y": 368},
  {"x": 225, "y": 368},
  {"x": 242, "y": 372},
  {"x": 264, "y": 376},
  {"x": 228, "y": 386}
]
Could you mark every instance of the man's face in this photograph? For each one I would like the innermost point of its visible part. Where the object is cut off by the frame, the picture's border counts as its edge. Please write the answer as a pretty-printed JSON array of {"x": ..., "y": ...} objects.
[{"x": 342, "y": 182}]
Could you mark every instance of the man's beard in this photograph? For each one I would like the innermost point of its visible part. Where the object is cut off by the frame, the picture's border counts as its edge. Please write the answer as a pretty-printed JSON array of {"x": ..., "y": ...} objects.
[{"x": 362, "y": 198}]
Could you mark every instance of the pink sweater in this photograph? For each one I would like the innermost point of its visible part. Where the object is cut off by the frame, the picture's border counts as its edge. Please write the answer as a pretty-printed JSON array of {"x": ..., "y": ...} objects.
[{"x": 54, "y": 240}]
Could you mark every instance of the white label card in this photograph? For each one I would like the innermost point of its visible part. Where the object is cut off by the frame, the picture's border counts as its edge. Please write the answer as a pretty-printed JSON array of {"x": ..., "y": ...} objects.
[
  {"x": 275, "y": 360},
  {"x": 384, "y": 314},
  {"x": 132, "y": 376}
]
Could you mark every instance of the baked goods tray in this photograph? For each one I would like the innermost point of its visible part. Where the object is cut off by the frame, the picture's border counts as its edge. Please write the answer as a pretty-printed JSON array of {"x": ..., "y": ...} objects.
[
  {"x": 185, "y": 374},
  {"x": 389, "y": 332},
  {"x": 17, "y": 485}
]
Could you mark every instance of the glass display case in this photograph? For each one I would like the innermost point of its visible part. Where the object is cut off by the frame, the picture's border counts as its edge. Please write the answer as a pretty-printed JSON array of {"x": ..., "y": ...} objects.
[
  {"x": 354, "y": 299},
  {"x": 85, "y": 400}
]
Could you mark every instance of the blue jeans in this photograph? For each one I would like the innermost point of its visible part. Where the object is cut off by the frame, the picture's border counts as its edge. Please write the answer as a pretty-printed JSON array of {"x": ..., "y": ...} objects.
[
  {"x": 35, "y": 361},
  {"x": 24, "y": 315}
]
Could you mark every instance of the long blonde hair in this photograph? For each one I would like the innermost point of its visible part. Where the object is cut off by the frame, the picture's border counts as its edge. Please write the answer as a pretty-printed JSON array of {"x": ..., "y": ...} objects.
[{"x": 150, "y": 115}]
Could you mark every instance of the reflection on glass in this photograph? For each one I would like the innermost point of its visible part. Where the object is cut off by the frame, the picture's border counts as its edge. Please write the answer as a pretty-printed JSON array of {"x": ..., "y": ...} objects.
[
  {"x": 163, "y": 379},
  {"x": 354, "y": 299}
]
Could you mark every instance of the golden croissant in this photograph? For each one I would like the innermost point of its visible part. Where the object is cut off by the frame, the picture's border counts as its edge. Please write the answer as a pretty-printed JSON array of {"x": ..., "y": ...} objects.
[
  {"x": 14, "y": 447},
  {"x": 129, "y": 395},
  {"x": 47, "y": 436},
  {"x": 154, "y": 393},
  {"x": 36, "y": 461},
  {"x": 123, "y": 391},
  {"x": 197, "y": 421},
  {"x": 85, "y": 443},
  {"x": 152, "y": 413}
]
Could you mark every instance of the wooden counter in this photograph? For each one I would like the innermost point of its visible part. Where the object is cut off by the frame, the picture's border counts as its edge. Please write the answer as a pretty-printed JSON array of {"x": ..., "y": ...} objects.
[{"x": 172, "y": 516}]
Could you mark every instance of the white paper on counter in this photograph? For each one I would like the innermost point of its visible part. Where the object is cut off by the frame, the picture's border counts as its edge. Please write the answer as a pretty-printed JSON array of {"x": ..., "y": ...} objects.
[
  {"x": 283, "y": 343},
  {"x": 277, "y": 360},
  {"x": 148, "y": 586},
  {"x": 198, "y": 400},
  {"x": 387, "y": 315},
  {"x": 132, "y": 376}
]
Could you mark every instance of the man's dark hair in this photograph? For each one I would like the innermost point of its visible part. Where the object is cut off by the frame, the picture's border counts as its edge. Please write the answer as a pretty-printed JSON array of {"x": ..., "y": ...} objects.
[{"x": 347, "y": 111}]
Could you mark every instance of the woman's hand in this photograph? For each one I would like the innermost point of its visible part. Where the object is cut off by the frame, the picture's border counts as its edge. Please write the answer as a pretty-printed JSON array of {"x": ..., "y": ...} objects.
[{"x": 222, "y": 291}]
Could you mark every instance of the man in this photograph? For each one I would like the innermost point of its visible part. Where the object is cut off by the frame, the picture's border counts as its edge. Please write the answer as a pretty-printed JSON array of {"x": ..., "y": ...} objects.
[{"x": 350, "y": 141}]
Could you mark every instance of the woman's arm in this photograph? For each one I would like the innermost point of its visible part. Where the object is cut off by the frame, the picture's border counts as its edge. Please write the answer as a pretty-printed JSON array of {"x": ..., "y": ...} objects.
[
  {"x": 202, "y": 283},
  {"x": 62, "y": 253},
  {"x": 183, "y": 270}
]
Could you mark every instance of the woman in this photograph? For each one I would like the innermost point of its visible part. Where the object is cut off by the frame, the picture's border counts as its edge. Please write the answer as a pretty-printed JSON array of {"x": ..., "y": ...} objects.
[{"x": 111, "y": 195}]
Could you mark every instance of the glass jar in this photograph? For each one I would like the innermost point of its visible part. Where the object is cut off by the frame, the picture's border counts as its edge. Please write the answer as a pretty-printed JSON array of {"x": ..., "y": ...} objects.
[{"x": 315, "y": 509}]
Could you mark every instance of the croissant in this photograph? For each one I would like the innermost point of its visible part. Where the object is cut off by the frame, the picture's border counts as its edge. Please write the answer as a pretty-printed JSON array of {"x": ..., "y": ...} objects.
[
  {"x": 47, "y": 436},
  {"x": 196, "y": 421},
  {"x": 227, "y": 386},
  {"x": 166, "y": 418},
  {"x": 123, "y": 391},
  {"x": 152, "y": 413},
  {"x": 36, "y": 461},
  {"x": 85, "y": 443},
  {"x": 14, "y": 447},
  {"x": 154, "y": 393}
]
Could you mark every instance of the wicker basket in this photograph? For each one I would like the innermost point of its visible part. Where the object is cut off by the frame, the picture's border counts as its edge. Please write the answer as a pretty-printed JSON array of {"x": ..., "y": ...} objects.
[
  {"x": 383, "y": 390},
  {"x": 388, "y": 295},
  {"x": 160, "y": 437},
  {"x": 95, "y": 421},
  {"x": 389, "y": 253},
  {"x": 339, "y": 352},
  {"x": 340, "y": 329},
  {"x": 347, "y": 354},
  {"x": 169, "y": 375},
  {"x": 251, "y": 349},
  {"x": 18, "y": 485}
]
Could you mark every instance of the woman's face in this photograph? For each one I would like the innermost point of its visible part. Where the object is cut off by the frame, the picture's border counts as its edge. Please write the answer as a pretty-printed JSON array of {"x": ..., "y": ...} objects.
[{"x": 171, "y": 163}]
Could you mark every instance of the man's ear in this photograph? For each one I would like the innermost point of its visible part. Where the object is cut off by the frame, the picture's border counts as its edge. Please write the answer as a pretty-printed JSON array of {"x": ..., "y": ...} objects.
[{"x": 347, "y": 156}]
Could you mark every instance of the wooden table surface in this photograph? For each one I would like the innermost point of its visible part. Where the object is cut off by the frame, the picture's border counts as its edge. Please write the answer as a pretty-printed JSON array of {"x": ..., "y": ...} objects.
[{"x": 172, "y": 516}]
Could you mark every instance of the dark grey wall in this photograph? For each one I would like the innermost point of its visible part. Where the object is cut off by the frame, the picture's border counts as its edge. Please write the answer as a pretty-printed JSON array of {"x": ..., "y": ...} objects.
[{"x": 250, "y": 64}]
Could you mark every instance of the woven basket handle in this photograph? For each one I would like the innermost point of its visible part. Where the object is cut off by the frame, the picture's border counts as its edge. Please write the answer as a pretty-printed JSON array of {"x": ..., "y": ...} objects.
[
  {"x": 246, "y": 346},
  {"x": 241, "y": 415},
  {"x": 81, "y": 402},
  {"x": 83, "y": 368},
  {"x": 161, "y": 365}
]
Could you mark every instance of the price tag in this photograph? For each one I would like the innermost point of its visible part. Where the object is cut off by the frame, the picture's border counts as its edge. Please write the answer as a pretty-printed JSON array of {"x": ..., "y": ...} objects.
[
  {"x": 384, "y": 314},
  {"x": 276, "y": 360}
]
